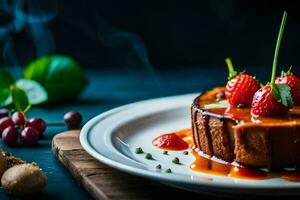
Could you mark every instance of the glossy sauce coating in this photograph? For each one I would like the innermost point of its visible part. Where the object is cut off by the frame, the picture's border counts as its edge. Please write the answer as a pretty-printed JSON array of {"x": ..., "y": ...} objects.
[
  {"x": 204, "y": 164},
  {"x": 243, "y": 117}
]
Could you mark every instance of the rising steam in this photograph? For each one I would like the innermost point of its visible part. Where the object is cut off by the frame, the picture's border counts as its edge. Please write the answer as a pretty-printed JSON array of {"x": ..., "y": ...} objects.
[{"x": 30, "y": 16}]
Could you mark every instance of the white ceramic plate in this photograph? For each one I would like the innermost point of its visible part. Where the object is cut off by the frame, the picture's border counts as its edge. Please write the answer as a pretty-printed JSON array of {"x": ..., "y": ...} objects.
[{"x": 113, "y": 136}]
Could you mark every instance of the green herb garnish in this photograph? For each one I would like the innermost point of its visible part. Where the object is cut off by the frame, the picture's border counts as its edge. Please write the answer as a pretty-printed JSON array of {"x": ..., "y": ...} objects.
[
  {"x": 168, "y": 170},
  {"x": 148, "y": 156},
  {"x": 139, "y": 150},
  {"x": 185, "y": 153},
  {"x": 165, "y": 152},
  {"x": 158, "y": 167},
  {"x": 176, "y": 160}
]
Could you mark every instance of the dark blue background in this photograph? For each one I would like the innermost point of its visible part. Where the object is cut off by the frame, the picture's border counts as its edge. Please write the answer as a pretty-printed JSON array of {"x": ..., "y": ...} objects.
[
  {"x": 168, "y": 34},
  {"x": 184, "y": 33}
]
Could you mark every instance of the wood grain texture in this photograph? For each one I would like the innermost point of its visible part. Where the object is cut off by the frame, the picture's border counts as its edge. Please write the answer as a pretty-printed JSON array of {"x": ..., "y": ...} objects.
[{"x": 101, "y": 181}]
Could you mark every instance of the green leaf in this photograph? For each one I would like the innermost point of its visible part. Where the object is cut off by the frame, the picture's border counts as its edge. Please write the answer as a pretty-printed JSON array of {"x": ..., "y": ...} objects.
[
  {"x": 20, "y": 99},
  {"x": 283, "y": 95},
  {"x": 60, "y": 75},
  {"x": 7, "y": 102},
  {"x": 35, "y": 92},
  {"x": 4, "y": 94},
  {"x": 6, "y": 79}
]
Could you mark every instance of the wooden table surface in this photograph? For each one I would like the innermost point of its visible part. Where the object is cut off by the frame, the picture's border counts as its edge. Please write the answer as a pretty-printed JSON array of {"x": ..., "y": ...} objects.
[
  {"x": 107, "y": 89},
  {"x": 103, "y": 182}
]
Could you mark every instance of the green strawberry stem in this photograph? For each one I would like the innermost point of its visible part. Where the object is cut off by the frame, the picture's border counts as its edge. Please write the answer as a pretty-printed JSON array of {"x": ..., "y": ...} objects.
[
  {"x": 232, "y": 73},
  {"x": 280, "y": 91},
  {"x": 229, "y": 65},
  {"x": 277, "y": 48}
]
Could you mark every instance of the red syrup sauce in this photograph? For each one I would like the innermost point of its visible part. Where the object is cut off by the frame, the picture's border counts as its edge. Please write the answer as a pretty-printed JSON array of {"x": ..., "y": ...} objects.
[{"x": 172, "y": 141}]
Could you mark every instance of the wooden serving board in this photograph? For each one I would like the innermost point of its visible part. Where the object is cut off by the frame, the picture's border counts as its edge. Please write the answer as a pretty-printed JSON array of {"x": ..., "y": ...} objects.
[{"x": 103, "y": 182}]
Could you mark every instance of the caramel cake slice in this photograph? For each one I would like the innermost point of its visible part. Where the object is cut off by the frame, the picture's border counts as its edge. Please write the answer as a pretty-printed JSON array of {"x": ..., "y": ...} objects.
[{"x": 232, "y": 135}]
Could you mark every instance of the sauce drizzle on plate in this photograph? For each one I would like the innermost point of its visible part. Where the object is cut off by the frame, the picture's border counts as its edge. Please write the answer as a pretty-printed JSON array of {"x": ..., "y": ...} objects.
[{"x": 182, "y": 140}]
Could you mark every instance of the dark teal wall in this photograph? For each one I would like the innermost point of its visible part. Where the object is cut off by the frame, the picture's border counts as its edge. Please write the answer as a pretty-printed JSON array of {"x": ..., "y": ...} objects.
[{"x": 172, "y": 33}]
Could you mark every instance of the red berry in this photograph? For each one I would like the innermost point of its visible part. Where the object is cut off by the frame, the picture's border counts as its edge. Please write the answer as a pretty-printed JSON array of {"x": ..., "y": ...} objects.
[
  {"x": 38, "y": 124},
  {"x": 19, "y": 118},
  {"x": 29, "y": 136},
  {"x": 73, "y": 120},
  {"x": 4, "y": 112},
  {"x": 240, "y": 90},
  {"x": 10, "y": 136},
  {"x": 273, "y": 100},
  {"x": 264, "y": 104},
  {"x": 294, "y": 83},
  {"x": 4, "y": 123}
]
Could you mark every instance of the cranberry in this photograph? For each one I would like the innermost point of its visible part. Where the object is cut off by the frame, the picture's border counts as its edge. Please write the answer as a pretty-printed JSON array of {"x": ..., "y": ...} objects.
[
  {"x": 29, "y": 136},
  {"x": 10, "y": 136},
  {"x": 19, "y": 118},
  {"x": 73, "y": 120},
  {"x": 4, "y": 112},
  {"x": 38, "y": 124},
  {"x": 4, "y": 123}
]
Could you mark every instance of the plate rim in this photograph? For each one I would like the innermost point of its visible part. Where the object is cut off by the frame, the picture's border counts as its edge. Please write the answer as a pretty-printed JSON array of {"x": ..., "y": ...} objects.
[{"x": 144, "y": 173}]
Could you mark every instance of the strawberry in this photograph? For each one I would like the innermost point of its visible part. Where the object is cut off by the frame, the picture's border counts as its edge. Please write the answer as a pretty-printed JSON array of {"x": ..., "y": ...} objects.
[
  {"x": 273, "y": 99},
  {"x": 265, "y": 104},
  {"x": 293, "y": 82},
  {"x": 240, "y": 88}
]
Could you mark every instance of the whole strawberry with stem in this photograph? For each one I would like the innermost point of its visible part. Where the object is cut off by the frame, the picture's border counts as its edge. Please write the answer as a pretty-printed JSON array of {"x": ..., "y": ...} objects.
[
  {"x": 293, "y": 82},
  {"x": 240, "y": 88},
  {"x": 273, "y": 99}
]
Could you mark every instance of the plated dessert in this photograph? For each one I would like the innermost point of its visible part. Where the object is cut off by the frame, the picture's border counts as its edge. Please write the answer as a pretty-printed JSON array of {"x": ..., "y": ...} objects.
[
  {"x": 245, "y": 129},
  {"x": 255, "y": 125},
  {"x": 241, "y": 138}
]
